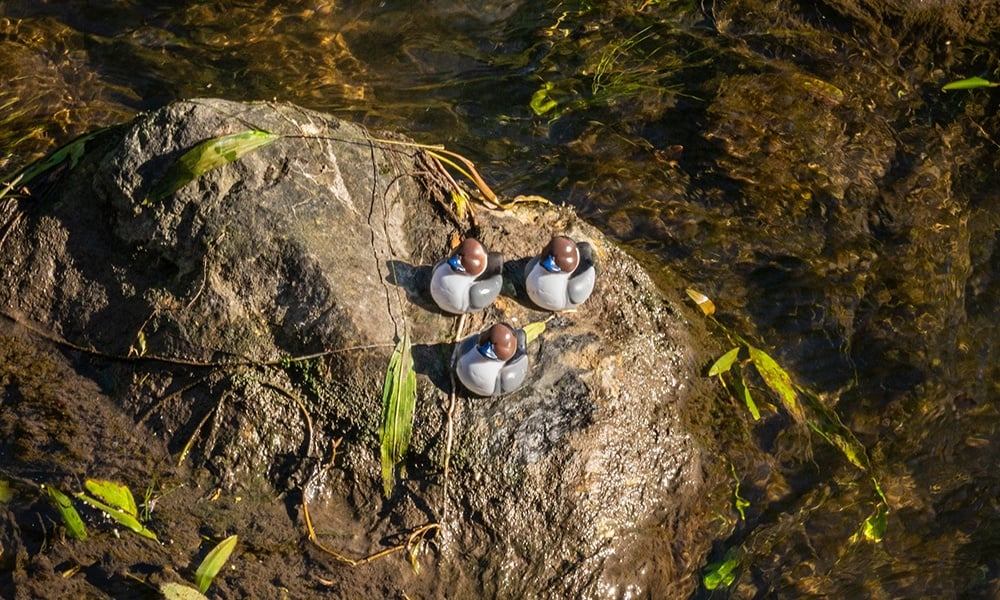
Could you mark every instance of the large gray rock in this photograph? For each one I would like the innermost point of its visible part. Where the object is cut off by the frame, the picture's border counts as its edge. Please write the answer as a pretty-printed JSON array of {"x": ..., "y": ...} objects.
[{"x": 584, "y": 483}]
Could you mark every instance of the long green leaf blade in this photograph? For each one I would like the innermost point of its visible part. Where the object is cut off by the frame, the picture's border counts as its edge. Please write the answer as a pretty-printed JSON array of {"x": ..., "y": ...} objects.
[
  {"x": 114, "y": 494},
  {"x": 399, "y": 396},
  {"x": 62, "y": 503},
  {"x": 778, "y": 380},
  {"x": 212, "y": 564},
  {"x": 122, "y": 517},
  {"x": 73, "y": 151},
  {"x": 969, "y": 84},
  {"x": 744, "y": 393},
  {"x": 208, "y": 155}
]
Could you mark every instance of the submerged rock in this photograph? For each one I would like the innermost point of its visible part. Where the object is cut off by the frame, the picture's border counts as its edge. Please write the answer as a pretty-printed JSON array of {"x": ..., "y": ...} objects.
[{"x": 248, "y": 319}]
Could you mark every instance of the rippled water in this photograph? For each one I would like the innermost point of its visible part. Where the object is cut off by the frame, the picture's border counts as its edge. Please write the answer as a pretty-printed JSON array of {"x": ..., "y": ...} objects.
[{"x": 798, "y": 162}]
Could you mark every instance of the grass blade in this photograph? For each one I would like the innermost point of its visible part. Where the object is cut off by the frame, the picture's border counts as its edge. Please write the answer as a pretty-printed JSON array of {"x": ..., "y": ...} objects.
[
  {"x": 114, "y": 494},
  {"x": 969, "y": 84},
  {"x": 212, "y": 564},
  {"x": 73, "y": 151},
  {"x": 399, "y": 396},
  {"x": 208, "y": 155},
  {"x": 744, "y": 393},
  {"x": 123, "y": 518},
  {"x": 62, "y": 502}
]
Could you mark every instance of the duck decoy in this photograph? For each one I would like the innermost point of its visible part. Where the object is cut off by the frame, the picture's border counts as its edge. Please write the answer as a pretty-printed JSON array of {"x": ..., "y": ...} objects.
[
  {"x": 562, "y": 276},
  {"x": 493, "y": 361},
  {"x": 469, "y": 280}
]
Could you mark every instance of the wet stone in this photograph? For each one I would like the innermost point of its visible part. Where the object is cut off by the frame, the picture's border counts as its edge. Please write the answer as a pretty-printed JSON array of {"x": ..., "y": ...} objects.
[{"x": 247, "y": 320}]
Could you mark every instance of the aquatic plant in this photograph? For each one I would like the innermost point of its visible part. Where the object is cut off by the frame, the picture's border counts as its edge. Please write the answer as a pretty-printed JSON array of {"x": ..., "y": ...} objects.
[
  {"x": 585, "y": 68},
  {"x": 213, "y": 562},
  {"x": 204, "y": 575},
  {"x": 969, "y": 84},
  {"x": 804, "y": 407},
  {"x": 399, "y": 396},
  {"x": 116, "y": 501},
  {"x": 71, "y": 518}
]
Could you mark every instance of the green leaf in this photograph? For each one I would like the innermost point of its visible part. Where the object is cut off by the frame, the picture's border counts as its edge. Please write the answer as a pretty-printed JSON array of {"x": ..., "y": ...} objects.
[
  {"x": 541, "y": 102},
  {"x": 125, "y": 519},
  {"x": 208, "y": 155},
  {"x": 62, "y": 502},
  {"x": 724, "y": 363},
  {"x": 875, "y": 525},
  {"x": 73, "y": 151},
  {"x": 179, "y": 591},
  {"x": 212, "y": 564},
  {"x": 969, "y": 84},
  {"x": 722, "y": 573},
  {"x": 5, "y": 492},
  {"x": 744, "y": 393},
  {"x": 114, "y": 494},
  {"x": 826, "y": 422},
  {"x": 399, "y": 396},
  {"x": 778, "y": 380},
  {"x": 533, "y": 330}
]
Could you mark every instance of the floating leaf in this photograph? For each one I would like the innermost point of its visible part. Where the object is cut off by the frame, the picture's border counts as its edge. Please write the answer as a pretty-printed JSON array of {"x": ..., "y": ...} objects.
[
  {"x": 969, "y": 84},
  {"x": 704, "y": 302},
  {"x": 724, "y": 363},
  {"x": 208, "y": 155},
  {"x": 533, "y": 330},
  {"x": 114, "y": 494},
  {"x": 212, "y": 564},
  {"x": 399, "y": 395},
  {"x": 778, "y": 380},
  {"x": 179, "y": 591},
  {"x": 125, "y": 519},
  {"x": 62, "y": 502}
]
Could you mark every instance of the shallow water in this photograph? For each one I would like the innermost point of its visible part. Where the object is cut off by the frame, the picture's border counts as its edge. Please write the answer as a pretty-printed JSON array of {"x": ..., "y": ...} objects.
[{"x": 799, "y": 164}]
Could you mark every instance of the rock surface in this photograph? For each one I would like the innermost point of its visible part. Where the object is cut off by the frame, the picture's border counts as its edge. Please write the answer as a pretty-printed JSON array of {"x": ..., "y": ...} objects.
[{"x": 248, "y": 318}]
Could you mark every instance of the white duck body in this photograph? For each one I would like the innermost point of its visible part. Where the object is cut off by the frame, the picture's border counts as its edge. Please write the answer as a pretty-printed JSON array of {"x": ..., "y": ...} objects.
[
  {"x": 486, "y": 376},
  {"x": 561, "y": 290},
  {"x": 469, "y": 281},
  {"x": 450, "y": 289}
]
